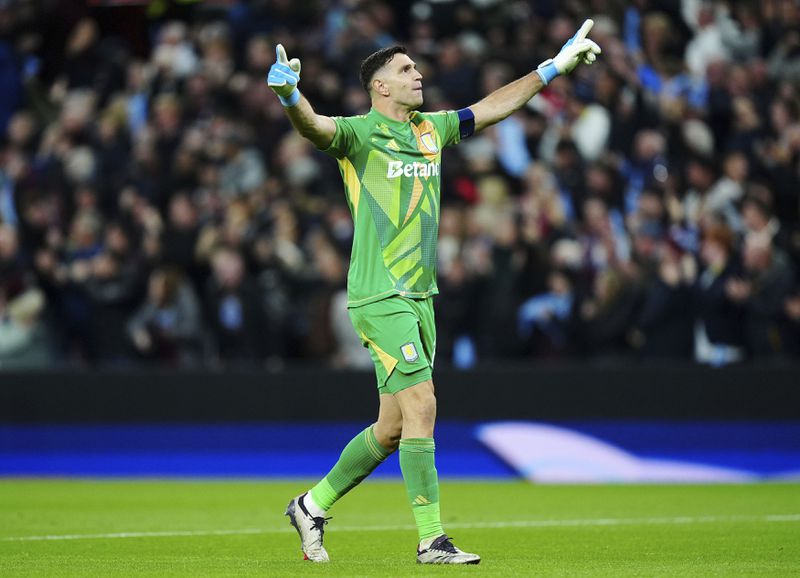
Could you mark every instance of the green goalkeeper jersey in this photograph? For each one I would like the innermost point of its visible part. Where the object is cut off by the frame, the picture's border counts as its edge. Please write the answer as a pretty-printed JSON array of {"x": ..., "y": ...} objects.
[{"x": 391, "y": 173}]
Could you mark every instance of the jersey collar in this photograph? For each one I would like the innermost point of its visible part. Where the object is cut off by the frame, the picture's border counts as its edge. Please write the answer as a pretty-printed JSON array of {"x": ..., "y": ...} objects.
[{"x": 379, "y": 117}]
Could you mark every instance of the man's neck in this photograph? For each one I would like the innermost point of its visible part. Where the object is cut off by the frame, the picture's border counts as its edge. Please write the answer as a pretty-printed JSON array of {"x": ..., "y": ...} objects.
[{"x": 392, "y": 110}]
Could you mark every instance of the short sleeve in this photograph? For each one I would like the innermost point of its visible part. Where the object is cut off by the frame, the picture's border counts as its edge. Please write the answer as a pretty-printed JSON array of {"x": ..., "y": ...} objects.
[
  {"x": 345, "y": 141},
  {"x": 447, "y": 125}
]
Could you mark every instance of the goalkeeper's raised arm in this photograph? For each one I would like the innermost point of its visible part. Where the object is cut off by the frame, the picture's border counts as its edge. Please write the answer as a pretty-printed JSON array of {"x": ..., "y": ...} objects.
[
  {"x": 513, "y": 96},
  {"x": 282, "y": 79}
]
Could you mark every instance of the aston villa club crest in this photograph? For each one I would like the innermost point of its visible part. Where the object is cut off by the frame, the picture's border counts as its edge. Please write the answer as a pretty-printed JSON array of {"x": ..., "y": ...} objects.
[
  {"x": 429, "y": 142},
  {"x": 409, "y": 351}
]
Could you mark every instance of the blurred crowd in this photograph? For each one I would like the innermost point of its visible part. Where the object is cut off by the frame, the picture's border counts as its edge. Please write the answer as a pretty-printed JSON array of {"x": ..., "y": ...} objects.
[{"x": 156, "y": 207}]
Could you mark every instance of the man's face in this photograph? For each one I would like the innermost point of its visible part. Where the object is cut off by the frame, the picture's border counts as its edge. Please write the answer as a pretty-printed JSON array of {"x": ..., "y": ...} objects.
[{"x": 400, "y": 80}]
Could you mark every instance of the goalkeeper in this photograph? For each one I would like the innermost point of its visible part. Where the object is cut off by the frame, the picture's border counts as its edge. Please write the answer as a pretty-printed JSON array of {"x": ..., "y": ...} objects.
[{"x": 389, "y": 160}]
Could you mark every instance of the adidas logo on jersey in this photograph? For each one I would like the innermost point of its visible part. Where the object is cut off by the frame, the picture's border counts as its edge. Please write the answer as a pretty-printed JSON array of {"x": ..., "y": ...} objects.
[{"x": 415, "y": 169}]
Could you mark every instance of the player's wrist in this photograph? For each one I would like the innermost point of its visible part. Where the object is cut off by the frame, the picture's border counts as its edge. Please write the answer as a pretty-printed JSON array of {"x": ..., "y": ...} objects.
[
  {"x": 547, "y": 71},
  {"x": 291, "y": 100}
]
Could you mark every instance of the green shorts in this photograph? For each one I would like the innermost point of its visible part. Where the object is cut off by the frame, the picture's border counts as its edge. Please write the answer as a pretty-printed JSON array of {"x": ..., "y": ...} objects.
[{"x": 401, "y": 336}]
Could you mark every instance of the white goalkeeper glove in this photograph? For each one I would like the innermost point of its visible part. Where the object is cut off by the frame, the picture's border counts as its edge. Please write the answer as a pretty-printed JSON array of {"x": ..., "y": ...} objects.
[
  {"x": 577, "y": 49},
  {"x": 283, "y": 77}
]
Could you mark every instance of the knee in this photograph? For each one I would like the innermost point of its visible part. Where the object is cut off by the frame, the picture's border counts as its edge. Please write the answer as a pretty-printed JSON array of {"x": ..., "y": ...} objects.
[
  {"x": 423, "y": 408},
  {"x": 388, "y": 433}
]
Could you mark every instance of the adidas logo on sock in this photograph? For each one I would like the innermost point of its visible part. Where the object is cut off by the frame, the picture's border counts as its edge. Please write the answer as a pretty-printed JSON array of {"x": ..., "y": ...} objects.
[{"x": 421, "y": 501}]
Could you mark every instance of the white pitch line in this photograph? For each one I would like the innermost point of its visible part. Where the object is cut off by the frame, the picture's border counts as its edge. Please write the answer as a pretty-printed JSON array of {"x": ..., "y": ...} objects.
[
  {"x": 167, "y": 534},
  {"x": 454, "y": 525}
]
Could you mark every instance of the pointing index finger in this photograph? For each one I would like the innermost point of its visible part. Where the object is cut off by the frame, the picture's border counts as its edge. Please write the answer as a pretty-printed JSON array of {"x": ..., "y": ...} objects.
[
  {"x": 280, "y": 54},
  {"x": 584, "y": 29}
]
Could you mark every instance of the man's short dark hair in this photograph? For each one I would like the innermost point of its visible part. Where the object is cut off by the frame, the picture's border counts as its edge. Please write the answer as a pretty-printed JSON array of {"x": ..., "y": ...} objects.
[{"x": 377, "y": 60}]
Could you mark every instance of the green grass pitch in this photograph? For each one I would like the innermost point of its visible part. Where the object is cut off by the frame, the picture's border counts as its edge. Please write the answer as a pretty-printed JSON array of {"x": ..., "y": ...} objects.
[{"x": 219, "y": 528}]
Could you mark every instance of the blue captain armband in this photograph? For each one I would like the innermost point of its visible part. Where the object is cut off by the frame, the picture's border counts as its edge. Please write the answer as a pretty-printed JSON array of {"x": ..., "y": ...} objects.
[{"x": 466, "y": 122}]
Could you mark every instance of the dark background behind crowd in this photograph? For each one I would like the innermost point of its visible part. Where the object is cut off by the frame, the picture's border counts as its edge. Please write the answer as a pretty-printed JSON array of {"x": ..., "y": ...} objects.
[{"x": 157, "y": 208}]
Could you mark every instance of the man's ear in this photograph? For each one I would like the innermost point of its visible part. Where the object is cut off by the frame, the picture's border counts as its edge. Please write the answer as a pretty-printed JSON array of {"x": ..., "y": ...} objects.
[{"x": 380, "y": 87}]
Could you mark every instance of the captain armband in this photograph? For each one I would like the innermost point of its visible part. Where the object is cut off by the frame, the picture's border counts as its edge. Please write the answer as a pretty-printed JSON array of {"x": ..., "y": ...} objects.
[{"x": 466, "y": 122}]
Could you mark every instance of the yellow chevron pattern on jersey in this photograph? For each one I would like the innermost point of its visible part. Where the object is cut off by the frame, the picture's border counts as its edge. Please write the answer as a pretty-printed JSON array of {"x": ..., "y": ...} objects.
[
  {"x": 416, "y": 193},
  {"x": 351, "y": 183},
  {"x": 391, "y": 171}
]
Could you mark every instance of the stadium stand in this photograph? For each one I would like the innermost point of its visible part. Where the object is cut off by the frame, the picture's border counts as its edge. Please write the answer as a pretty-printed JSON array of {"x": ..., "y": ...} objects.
[{"x": 156, "y": 208}]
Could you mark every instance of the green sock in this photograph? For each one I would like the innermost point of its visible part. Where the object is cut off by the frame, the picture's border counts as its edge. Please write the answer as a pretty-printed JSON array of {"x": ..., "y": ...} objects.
[
  {"x": 362, "y": 455},
  {"x": 422, "y": 484}
]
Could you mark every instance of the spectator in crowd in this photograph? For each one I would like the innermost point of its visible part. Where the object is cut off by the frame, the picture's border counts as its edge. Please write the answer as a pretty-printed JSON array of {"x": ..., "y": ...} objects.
[
  {"x": 589, "y": 122},
  {"x": 605, "y": 316},
  {"x": 23, "y": 339},
  {"x": 323, "y": 289},
  {"x": 113, "y": 285},
  {"x": 166, "y": 328},
  {"x": 179, "y": 237},
  {"x": 243, "y": 170},
  {"x": 549, "y": 314},
  {"x": 234, "y": 309},
  {"x": 663, "y": 325},
  {"x": 762, "y": 290},
  {"x": 719, "y": 326},
  {"x": 13, "y": 270}
]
